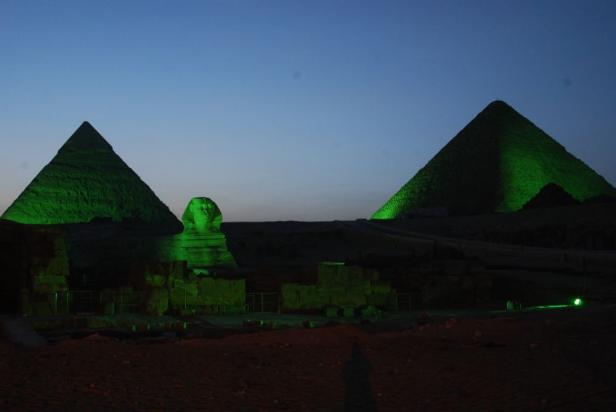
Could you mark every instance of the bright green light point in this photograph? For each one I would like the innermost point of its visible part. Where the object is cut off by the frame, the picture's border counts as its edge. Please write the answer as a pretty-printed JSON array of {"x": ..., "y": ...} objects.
[{"x": 577, "y": 302}]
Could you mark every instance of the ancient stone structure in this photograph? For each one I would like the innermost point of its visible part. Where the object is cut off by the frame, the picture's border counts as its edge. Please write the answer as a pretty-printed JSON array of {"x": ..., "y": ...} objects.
[
  {"x": 170, "y": 287},
  {"x": 204, "y": 244},
  {"x": 201, "y": 244},
  {"x": 87, "y": 225},
  {"x": 550, "y": 195},
  {"x": 338, "y": 286},
  {"x": 495, "y": 164},
  {"x": 85, "y": 181},
  {"x": 202, "y": 215},
  {"x": 33, "y": 264}
]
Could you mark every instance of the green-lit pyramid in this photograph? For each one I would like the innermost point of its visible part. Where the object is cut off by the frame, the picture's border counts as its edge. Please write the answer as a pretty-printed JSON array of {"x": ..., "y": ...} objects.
[
  {"x": 498, "y": 162},
  {"x": 86, "y": 180}
]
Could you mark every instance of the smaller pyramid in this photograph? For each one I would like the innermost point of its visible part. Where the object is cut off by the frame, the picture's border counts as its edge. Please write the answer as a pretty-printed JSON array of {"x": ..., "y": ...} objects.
[
  {"x": 87, "y": 180},
  {"x": 497, "y": 163},
  {"x": 550, "y": 195}
]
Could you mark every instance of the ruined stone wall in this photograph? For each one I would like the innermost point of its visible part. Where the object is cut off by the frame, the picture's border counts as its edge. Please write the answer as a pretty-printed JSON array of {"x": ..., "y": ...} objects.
[{"x": 340, "y": 286}]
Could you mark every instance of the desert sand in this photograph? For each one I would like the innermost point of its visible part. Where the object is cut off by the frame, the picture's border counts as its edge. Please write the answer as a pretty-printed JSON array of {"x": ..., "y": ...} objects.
[{"x": 561, "y": 360}]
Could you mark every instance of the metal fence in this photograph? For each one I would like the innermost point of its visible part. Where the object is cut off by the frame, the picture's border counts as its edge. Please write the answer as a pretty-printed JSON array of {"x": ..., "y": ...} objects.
[
  {"x": 402, "y": 302},
  {"x": 113, "y": 302},
  {"x": 89, "y": 302},
  {"x": 263, "y": 302}
]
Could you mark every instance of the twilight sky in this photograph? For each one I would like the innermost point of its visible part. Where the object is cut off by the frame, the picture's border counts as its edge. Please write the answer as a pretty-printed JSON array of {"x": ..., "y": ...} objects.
[{"x": 303, "y": 110}]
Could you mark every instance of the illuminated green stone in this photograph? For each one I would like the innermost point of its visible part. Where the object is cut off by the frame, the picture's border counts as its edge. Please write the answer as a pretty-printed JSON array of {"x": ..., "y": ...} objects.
[
  {"x": 84, "y": 181},
  {"x": 202, "y": 215},
  {"x": 498, "y": 162},
  {"x": 578, "y": 302},
  {"x": 201, "y": 244}
]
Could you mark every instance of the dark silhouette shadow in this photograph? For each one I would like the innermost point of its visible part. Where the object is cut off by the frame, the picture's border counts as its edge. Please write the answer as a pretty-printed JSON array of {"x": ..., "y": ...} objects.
[{"x": 356, "y": 373}]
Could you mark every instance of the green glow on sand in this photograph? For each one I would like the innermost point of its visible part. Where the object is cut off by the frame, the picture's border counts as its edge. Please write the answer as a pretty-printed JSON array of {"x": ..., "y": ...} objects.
[
  {"x": 575, "y": 302},
  {"x": 549, "y": 307}
]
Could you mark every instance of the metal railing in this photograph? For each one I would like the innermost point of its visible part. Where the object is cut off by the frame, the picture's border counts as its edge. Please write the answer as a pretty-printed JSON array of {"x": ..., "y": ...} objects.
[
  {"x": 263, "y": 302},
  {"x": 90, "y": 301},
  {"x": 113, "y": 302},
  {"x": 402, "y": 302}
]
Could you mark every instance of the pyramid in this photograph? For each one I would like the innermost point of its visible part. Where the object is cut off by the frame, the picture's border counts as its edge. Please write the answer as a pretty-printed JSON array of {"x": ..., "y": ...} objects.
[
  {"x": 497, "y": 163},
  {"x": 550, "y": 195},
  {"x": 86, "y": 180}
]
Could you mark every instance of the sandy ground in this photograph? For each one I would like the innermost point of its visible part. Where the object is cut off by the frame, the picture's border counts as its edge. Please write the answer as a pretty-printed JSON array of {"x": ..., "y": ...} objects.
[{"x": 560, "y": 361}]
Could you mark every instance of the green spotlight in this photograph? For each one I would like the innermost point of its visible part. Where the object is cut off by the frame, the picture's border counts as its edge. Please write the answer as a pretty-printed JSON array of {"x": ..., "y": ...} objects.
[{"x": 578, "y": 302}]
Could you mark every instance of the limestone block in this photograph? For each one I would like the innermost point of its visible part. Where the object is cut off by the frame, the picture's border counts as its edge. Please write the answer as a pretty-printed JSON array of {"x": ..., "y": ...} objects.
[
  {"x": 157, "y": 302},
  {"x": 331, "y": 312},
  {"x": 185, "y": 293},
  {"x": 222, "y": 292},
  {"x": 371, "y": 311},
  {"x": 303, "y": 297},
  {"x": 380, "y": 299},
  {"x": 156, "y": 281},
  {"x": 290, "y": 294},
  {"x": 348, "y": 312},
  {"x": 353, "y": 297},
  {"x": 46, "y": 284},
  {"x": 380, "y": 287},
  {"x": 330, "y": 275}
]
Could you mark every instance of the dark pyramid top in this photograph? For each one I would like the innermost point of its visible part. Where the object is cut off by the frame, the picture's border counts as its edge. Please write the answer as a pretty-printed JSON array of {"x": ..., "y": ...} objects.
[
  {"x": 550, "y": 195},
  {"x": 86, "y": 137},
  {"x": 86, "y": 180},
  {"x": 498, "y": 162}
]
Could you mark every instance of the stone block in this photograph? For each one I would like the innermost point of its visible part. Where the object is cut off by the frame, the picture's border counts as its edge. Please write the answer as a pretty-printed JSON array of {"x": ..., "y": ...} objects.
[
  {"x": 45, "y": 284},
  {"x": 348, "y": 312},
  {"x": 184, "y": 294},
  {"x": 371, "y": 311},
  {"x": 227, "y": 293},
  {"x": 303, "y": 297},
  {"x": 331, "y": 312},
  {"x": 155, "y": 281},
  {"x": 157, "y": 302}
]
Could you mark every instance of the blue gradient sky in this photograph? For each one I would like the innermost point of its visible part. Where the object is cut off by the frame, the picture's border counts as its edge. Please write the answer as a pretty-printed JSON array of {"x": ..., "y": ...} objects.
[{"x": 305, "y": 110}]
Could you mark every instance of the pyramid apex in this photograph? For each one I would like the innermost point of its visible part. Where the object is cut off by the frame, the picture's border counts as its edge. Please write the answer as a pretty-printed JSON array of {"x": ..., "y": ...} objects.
[
  {"x": 496, "y": 163},
  {"x": 86, "y": 137},
  {"x": 498, "y": 102},
  {"x": 496, "y": 112},
  {"x": 86, "y": 181},
  {"x": 499, "y": 105}
]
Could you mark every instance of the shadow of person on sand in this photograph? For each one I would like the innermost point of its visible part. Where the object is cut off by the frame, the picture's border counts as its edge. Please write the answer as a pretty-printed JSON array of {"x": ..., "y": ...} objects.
[{"x": 356, "y": 374}]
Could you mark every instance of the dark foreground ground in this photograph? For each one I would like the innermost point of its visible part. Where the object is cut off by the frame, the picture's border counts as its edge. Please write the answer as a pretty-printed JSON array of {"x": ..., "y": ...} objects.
[{"x": 550, "y": 360}]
